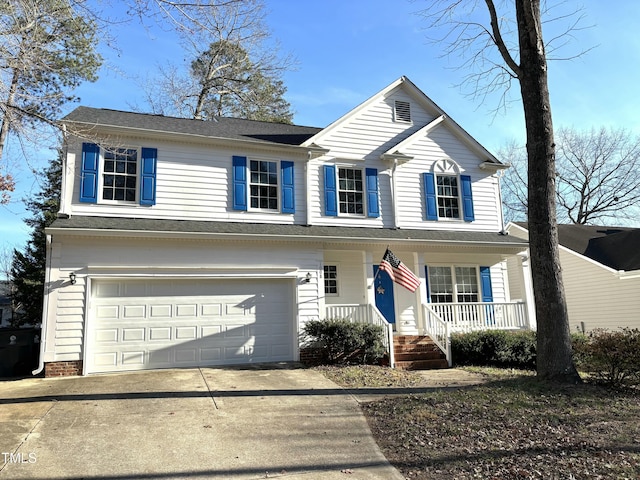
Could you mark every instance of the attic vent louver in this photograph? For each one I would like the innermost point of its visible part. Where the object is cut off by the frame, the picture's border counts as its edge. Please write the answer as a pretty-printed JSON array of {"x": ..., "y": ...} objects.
[{"x": 402, "y": 111}]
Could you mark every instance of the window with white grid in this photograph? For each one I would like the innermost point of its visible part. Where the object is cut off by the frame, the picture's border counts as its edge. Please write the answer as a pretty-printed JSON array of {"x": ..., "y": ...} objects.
[
  {"x": 448, "y": 196},
  {"x": 350, "y": 191},
  {"x": 263, "y": 184},
  {"x": 448, "y": 284},
  {"x": 331, "y": 280},
  {"x": 466, "y": 284},
  {"x": 120, "y": 174}
]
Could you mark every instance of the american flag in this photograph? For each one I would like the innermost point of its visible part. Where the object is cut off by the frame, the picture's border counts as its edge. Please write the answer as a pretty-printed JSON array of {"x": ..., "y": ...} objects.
[{"x": 398, "y": 272}]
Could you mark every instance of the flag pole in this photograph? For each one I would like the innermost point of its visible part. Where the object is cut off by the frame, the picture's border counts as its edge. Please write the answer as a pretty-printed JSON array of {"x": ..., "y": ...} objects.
[{"x": 376, "y": 275}]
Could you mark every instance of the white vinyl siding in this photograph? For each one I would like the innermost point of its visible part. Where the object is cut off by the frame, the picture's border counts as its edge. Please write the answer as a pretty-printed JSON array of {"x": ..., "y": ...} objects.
[
  {"x": 439, "y": 144},
  {"x": 193, "y": 183},
  {"x": 144, "y": 258},
  {"x": 351, "y": 282}
]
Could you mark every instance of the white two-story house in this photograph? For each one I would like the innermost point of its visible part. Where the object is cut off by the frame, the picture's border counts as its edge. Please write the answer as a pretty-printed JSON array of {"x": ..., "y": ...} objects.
[{"x": 193, "y": 243}]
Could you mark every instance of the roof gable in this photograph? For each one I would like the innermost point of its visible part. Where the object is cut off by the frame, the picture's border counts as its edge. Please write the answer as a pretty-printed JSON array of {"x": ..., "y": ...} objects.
[
  {"x": 615, "y": 247},
  {"x": 438, "y": 117}
]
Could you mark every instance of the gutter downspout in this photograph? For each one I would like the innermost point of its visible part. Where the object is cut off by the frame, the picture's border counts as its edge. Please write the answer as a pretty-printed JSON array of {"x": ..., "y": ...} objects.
[
  {"x": 307, "y": 192},
  {"x": 45, "y": 309},
  {"x": 393, "y": 193}
]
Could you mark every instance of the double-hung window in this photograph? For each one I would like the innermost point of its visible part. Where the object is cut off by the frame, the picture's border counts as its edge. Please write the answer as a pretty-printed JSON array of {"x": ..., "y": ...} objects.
[
  {"x": 448, "y": 194},
  {"x": 453, "y": 284},
  {"x": 263, "y": 184},
  {"x": 118, "y": 174},
  {"x": 350, "y": 191}
]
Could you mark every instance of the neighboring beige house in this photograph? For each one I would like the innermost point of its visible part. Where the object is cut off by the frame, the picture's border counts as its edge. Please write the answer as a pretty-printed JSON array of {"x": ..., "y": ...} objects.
[
  {"x": 601, "y": 274},
  {"x": 194, "y": 243}
]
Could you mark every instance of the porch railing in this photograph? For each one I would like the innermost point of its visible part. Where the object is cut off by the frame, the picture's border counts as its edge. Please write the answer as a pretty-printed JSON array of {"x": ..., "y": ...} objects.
[
  {"x": 366, "y": 313},
  {"x": 437, "y": 329},
  {"x": 468, "y": 317}
]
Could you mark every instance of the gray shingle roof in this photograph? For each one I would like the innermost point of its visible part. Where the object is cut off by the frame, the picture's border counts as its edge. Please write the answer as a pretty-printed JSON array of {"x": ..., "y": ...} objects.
[
  {"x": 221, "y": 127},
  {"x": 615, "y": 247},
  {"x": 84, "y": 223}
]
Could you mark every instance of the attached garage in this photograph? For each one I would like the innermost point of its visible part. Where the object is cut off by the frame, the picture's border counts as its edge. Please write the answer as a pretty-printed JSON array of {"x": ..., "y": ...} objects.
[{"x": 145, "y": 324}]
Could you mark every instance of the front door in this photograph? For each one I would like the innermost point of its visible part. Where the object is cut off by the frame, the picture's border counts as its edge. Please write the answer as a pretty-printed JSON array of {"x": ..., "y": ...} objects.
[{"x": 383, "y": 286}]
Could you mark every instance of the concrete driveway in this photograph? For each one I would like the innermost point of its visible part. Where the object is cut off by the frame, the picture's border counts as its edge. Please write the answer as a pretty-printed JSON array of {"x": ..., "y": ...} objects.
[{"x": 253, "y": 422}]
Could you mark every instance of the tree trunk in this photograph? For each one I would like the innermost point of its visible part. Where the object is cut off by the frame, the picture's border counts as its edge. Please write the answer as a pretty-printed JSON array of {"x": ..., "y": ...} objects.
[
  {"x": 6, "y": 118},
  {"x": 554, "y": 353}
]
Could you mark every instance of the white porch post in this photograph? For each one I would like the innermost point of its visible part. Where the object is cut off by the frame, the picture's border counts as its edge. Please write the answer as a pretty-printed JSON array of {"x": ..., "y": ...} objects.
[
  {"x": 370, "y": 294},
  {"x": 527, "y": 283},
  {"x": 423, "y": 295}
]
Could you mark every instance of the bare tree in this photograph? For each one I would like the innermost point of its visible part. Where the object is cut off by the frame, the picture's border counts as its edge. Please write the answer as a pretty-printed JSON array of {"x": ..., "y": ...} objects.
[
  {"x": 598, "y": 176},
  {"x": 232, "y": 68},
  {"x": 46, "y": 50},
  {"x": 500, "y": 51}
]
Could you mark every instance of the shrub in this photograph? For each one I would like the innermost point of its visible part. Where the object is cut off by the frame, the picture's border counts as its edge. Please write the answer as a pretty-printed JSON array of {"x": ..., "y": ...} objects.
[
  {"x": 497, "y": 348},
  {"x": 612, "y": 358},
  {"x": 345, "y": 342}
]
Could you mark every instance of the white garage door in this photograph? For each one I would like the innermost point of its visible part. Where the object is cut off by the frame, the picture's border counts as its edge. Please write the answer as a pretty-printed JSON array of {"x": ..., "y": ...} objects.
[{"x": 144, "y": 324}]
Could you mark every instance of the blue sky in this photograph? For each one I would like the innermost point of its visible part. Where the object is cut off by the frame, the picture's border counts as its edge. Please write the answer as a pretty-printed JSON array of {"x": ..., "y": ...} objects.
[{"x": 347, "y": 50}]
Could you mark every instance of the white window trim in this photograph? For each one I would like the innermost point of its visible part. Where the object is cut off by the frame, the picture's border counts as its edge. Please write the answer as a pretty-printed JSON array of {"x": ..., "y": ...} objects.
[
  {"x": 448, "y": 168},
  {"x": 102, "y": 173},
  {"x": 271, "y": 211},
  {"x": 337, "y": 279},
  {"x": 452, "y": 267},
  {"x": 364, "y": 191}
]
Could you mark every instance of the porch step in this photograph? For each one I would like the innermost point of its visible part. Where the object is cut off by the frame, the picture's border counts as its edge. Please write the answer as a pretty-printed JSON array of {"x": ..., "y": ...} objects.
[{"x": 417, "y": 352}]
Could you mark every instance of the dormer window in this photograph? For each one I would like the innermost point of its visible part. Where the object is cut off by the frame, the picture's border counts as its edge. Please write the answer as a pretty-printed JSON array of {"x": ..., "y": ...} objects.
[{"x": 402, "y": 111}]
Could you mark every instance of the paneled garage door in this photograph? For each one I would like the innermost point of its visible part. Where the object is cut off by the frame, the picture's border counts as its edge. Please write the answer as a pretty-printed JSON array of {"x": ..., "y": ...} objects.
[{"x": 136, "y": 325}]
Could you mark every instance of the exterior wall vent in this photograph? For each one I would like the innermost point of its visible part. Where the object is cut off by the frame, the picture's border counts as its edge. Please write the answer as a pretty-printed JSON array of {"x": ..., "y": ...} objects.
[{"x": 402, "y": 111}]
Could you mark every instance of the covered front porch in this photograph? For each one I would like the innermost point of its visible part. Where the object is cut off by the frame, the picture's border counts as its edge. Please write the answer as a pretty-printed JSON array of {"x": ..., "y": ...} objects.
[{"x": 459, "y": 291}]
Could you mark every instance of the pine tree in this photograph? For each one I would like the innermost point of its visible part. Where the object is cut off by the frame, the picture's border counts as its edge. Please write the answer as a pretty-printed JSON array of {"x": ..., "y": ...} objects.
[{"x": 28, "y": 266}]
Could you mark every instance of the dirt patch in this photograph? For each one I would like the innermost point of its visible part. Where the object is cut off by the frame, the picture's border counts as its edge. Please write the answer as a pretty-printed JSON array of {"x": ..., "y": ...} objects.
[{"x": 501, "y": 424}]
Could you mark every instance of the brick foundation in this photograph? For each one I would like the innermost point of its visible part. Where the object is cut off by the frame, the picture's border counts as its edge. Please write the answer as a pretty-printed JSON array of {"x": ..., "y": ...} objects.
[
  {"x": 63, "y": 369},
  {"x": 311, "y": 356}
]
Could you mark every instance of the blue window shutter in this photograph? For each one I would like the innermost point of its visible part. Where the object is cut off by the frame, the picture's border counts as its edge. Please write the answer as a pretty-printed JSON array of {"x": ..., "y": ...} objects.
[
  {"x": 239, "y": 183},
  {"x": 426, "y": 283},
  {"x": 330, "y": 191},
  {"x": 288, "y": 197},
  {"x": 467, "y": 198},
  {"x": 148, "y": 181},
  {"x": 373, "y": 209},
  {"x": 485, "y": 283},
  {"x": 89, "y": 176},
  {"x": 431, "y": 204}
]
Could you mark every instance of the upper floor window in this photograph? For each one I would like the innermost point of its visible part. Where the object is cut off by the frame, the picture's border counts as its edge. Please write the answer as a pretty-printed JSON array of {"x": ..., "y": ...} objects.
[
  {"x": 447, "y": 193},
  {"x": 448, "y": 196},
  {"x": 263, "y": 184},
  {"x": 350, "y": 191},
  {"x": 122, "y": 175}
]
